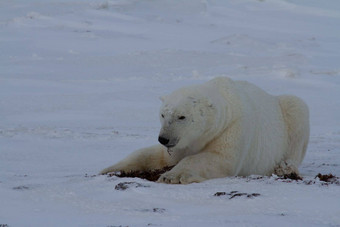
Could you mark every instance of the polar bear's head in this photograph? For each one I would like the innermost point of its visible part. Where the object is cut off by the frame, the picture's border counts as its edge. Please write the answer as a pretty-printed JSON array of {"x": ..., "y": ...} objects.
[{"x": 185, "y": 119}]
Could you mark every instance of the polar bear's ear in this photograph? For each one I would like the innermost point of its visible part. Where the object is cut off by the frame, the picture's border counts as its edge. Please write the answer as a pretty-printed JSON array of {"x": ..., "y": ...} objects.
[{"x": 162, "y": 98}]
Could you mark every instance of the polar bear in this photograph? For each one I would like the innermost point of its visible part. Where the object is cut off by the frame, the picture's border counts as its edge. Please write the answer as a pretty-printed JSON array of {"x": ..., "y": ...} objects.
[{"x": 224, "y": 128}]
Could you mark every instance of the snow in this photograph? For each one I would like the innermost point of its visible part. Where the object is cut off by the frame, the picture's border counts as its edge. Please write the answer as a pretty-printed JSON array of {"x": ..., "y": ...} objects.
[{"x": 79, "y": 88}]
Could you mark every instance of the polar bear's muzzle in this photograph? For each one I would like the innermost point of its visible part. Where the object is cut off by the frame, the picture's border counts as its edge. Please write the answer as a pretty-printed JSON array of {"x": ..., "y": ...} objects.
[
  {"x": 164, "y": 141},
  {"x": 167, "y": 142}
]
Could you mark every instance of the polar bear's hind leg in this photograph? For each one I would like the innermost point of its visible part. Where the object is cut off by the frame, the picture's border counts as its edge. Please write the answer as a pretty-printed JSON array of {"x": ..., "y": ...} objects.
[{"x": 296, "y": 116}]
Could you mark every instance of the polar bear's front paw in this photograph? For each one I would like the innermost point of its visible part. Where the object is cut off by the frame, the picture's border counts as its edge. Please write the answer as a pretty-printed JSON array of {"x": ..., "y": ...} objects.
[{"x": 179, "y": 177}]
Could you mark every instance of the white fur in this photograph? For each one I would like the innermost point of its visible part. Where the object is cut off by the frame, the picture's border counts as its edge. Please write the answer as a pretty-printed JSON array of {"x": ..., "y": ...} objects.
[{"x": 229, "y": 128}]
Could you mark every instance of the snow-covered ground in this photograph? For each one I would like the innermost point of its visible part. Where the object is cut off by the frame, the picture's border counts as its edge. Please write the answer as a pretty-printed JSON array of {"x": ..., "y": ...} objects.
[{"x": 79, "y": 88}]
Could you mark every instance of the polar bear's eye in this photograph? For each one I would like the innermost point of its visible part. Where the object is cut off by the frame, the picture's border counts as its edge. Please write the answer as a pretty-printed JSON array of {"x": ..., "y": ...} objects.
[
  {"x": 162, "y": 115},
  {"x": 181, "y": 117}
]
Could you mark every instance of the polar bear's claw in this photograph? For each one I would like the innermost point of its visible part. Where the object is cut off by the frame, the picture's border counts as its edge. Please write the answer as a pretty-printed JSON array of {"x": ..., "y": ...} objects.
[{"x": 179, "y": 178}]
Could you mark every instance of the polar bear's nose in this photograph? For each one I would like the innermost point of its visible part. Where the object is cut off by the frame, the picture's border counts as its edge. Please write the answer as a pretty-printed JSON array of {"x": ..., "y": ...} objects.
[{"x": 163, "y": 140}]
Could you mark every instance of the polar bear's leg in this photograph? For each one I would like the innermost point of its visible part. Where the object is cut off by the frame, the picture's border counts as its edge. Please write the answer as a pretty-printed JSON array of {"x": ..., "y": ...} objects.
[
  {"x": 197, "y": 168},
  {"x": 296, "y": 116},
  {"x": 155, "y": 157},
  {"x": 286, "y": 168}
]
